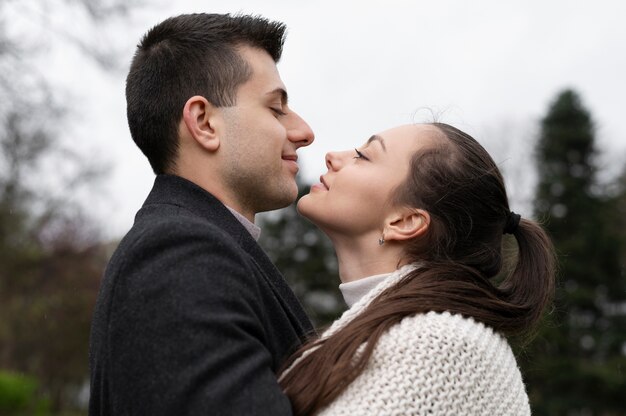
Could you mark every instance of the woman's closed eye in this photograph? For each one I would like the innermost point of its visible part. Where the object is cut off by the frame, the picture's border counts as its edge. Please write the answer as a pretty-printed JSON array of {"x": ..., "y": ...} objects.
[{"x": 360, "y": 155}]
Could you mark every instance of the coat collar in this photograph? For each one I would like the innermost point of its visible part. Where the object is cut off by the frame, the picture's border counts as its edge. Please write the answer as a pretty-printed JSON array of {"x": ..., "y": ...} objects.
[{"x": 174, "y": 190}]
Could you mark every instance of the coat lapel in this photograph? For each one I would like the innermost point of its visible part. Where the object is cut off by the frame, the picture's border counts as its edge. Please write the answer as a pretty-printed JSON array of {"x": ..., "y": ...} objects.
[{"x": 179, "y": 191}]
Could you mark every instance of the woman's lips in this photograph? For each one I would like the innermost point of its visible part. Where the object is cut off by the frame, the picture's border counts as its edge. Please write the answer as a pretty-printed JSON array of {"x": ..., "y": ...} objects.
[
  {"x": 319, "y": 187},
  {"x": 323, "y": 182}
]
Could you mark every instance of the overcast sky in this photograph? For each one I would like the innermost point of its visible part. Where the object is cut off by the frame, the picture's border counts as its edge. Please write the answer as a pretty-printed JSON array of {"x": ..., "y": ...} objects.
[{"x": 353, "y": 68}]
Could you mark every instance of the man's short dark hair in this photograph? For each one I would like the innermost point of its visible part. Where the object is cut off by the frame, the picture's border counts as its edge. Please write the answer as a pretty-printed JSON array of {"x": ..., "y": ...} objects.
[{"x": 187, "y": 55}]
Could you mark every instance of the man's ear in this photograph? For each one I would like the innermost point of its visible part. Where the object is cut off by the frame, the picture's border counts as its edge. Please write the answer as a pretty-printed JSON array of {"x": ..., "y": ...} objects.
[
  {"x": 200, "y": 118},
  {"x": 406, "y": 225}
]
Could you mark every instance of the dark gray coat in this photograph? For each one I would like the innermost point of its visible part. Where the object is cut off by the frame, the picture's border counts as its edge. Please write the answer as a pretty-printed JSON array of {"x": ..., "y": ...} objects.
[{"x": 192, "y": 317}]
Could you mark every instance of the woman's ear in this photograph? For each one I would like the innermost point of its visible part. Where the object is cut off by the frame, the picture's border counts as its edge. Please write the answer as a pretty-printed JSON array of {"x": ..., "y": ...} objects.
[
  {"x": 406, "y": 225},
  {"x": 200, "y": 119}
]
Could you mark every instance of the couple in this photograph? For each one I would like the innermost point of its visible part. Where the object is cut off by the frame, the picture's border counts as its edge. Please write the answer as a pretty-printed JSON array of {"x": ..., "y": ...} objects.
[{"x": 192, "y": 317}]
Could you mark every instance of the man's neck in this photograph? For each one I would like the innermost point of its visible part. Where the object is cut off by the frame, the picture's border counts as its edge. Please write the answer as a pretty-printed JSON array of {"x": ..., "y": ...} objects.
[{"x": 215, "y": 188}]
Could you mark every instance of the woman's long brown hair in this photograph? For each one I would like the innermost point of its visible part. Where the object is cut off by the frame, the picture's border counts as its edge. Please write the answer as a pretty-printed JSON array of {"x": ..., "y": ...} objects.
[{"x": 460, "y": 186}]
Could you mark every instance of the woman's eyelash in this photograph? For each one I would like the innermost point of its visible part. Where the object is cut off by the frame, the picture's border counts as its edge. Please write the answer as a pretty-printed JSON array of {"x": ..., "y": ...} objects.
[
  {"x": 278, "y": 111},
  {"x": 360, "y": 155}
]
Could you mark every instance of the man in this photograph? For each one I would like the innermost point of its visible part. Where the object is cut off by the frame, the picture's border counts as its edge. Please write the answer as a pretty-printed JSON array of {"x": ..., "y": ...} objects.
[{"x": 192, "y": 317}]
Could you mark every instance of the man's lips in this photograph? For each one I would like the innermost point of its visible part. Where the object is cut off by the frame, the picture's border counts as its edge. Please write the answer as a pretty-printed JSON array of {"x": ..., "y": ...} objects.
[{"x": 292, "y": 161}]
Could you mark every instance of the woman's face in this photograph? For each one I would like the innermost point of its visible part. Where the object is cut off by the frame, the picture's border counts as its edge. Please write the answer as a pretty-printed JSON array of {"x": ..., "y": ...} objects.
[{"x": 353, "y": 198}]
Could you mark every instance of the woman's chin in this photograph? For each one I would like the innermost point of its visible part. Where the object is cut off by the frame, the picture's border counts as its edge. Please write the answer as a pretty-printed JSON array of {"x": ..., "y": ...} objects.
[
  {"x": 303, "y": 206},
  {"x": 309, "y": 210}
]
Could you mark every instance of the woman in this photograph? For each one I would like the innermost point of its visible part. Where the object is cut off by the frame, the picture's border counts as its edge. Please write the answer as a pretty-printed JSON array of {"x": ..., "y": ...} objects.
[{"x": 416, "y": 216}]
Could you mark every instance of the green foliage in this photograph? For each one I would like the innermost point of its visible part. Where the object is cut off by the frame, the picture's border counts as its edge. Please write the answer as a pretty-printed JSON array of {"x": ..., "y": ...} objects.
[
  {"x": 577, "y": 364},
  {"x": 19, "y": 396},
  {"x": 306, "y": 258},
  {"x": 16, "y": 391}
]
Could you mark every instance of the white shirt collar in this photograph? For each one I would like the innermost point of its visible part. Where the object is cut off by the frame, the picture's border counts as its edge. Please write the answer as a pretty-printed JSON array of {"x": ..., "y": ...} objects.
[{"x": 253, "y": 229}]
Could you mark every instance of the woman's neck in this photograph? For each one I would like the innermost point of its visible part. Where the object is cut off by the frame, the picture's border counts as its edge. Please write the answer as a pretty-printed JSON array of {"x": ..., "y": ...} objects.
[{"x": 359, "y": 258}]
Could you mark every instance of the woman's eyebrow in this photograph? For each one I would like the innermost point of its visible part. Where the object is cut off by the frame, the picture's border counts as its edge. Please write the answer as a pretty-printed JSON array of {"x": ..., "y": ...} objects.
[{"x": 379, "y": 140}]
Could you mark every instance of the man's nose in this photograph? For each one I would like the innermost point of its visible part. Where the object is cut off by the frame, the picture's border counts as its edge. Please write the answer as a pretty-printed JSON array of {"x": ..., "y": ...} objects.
[{"x": 299, "y": 131}]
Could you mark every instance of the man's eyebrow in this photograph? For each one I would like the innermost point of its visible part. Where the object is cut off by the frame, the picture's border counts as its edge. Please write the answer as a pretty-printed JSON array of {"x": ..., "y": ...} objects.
[
  {"x": 378, "y": 139},
  {"x": 283, "y": 94}
]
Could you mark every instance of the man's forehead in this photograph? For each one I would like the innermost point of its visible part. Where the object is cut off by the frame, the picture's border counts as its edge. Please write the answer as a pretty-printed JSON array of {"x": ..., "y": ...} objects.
[{"x": 264, "y": 72}]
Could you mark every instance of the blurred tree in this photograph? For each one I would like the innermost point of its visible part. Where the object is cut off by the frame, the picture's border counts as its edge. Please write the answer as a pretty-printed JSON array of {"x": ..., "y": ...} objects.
[
  {"x": 306, "y": 258},
  {"x": 578, "y": 364},
  {"x": 620, "y": 225},
  {"x": 51, "y": 258}
]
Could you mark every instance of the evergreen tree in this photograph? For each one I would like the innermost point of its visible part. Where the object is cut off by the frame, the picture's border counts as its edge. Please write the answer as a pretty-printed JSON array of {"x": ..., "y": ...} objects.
[
  {"x": 306, "y": 258},
  {"x": 578, "y": 364},
  {"x": 620, "y": 203}
]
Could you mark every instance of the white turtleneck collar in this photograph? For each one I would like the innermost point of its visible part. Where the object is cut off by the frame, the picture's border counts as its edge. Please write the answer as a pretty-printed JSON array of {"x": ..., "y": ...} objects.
[{"x": 353, "y": 291}]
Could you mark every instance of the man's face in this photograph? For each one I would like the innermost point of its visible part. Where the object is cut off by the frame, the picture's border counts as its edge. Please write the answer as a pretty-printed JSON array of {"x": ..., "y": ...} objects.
[{"x": 261, "y": 138}]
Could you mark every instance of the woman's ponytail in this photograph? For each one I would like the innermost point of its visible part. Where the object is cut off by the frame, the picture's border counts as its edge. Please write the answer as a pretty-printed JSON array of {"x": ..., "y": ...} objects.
[{"x": 531, "y": 284}]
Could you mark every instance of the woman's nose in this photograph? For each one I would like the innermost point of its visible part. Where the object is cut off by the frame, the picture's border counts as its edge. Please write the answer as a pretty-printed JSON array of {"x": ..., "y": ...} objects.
[
  {"x": 330, "y": 161},
  {"x": 335, "y": 160}
]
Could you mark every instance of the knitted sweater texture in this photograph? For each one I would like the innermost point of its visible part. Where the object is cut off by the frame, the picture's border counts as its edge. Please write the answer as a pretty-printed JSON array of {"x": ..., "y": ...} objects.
[{"x": 433, "y": 364}]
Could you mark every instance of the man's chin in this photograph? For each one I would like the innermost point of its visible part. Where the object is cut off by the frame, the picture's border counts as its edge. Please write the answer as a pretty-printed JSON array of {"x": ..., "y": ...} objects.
[{"x": 280, "y": 201}]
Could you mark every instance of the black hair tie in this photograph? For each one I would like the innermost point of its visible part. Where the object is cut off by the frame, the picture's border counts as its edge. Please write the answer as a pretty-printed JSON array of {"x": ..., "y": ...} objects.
[{"x": 512, "y": 221}]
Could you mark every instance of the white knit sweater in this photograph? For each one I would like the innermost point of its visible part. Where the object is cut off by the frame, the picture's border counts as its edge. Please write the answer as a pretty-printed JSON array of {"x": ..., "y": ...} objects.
[{"x": 433, "y": 364}]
